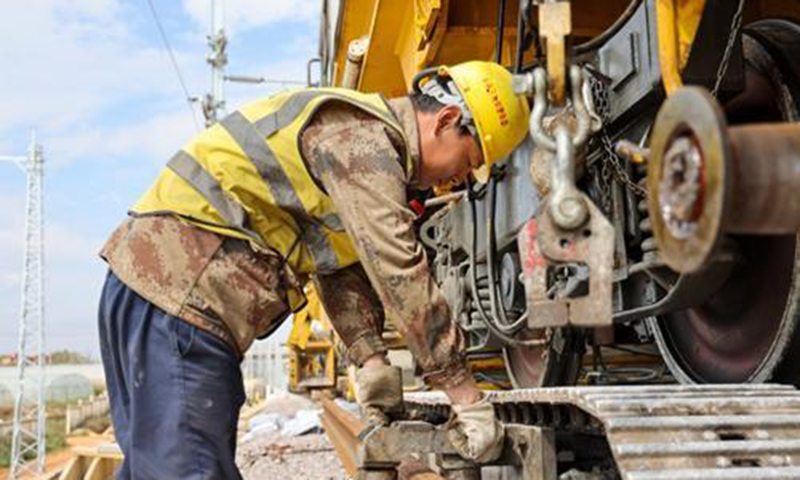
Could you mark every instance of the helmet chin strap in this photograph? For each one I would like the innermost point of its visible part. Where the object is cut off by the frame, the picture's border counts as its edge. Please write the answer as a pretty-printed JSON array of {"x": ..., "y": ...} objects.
[{"x": 448, "y": 94}]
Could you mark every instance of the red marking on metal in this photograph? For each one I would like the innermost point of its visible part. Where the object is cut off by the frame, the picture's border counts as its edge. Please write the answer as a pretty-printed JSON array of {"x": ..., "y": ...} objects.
[{"x": 532, "y": 256}]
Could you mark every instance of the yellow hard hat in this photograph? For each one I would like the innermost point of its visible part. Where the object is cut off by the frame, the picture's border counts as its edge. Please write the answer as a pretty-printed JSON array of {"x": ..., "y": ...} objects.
[{"x": 500, "y": 116}]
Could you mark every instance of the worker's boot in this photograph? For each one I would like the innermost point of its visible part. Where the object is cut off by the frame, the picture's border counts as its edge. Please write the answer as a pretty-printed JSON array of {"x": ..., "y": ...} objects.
[{"x": 379, "y": 391}]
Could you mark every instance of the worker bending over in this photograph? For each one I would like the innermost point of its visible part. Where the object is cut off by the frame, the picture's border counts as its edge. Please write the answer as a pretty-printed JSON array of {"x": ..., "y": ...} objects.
[{"x": 311, "y": 182}]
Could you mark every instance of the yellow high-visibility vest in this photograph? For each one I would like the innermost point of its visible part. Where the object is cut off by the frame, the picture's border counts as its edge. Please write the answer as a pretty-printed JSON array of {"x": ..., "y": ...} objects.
[{"x": 245, "y": 177}]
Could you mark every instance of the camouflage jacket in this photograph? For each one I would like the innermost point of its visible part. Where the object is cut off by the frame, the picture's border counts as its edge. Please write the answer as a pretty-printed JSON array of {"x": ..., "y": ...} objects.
[{"x": 236, "y": 291}]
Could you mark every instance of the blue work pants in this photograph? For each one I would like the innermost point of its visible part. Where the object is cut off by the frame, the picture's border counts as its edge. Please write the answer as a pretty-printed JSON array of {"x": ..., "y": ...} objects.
[{"x": 175, "y": 391}]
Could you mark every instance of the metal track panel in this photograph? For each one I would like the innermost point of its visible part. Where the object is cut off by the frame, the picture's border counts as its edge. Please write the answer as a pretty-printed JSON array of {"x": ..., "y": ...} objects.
[{"x": 675, "y": 432}]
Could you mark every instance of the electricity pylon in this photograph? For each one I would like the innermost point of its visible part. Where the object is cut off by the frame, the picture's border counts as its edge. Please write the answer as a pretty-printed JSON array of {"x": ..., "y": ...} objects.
[{"x": 28, "y": 440}]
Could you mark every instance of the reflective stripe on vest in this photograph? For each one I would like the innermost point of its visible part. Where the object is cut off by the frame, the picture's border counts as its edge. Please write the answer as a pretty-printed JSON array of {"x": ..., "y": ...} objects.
[
  {"x": 316, "y": 231},
  {"x": 253, "y": 145},
  {"x": 193, "y": 173}
]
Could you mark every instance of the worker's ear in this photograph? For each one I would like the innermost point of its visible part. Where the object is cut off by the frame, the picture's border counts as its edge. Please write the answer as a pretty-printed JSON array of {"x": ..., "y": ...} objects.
[{"x": 447, "y": 117}]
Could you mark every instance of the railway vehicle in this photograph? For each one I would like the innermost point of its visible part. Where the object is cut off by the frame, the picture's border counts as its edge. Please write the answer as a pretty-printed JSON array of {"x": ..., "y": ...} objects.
[{"x": 653, "y": 209}]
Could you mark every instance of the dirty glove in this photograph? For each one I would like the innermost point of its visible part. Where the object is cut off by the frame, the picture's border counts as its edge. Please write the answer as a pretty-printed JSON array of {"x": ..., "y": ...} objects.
[
  {"x": 379, "y": 392},
  {"x": 475, "y": 432}
]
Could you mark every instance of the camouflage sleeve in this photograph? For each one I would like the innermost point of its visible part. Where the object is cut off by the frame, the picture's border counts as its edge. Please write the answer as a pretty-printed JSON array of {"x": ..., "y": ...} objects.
[
  {"x": 355, "y": 311},
  {"x": 361, "y": 169}
]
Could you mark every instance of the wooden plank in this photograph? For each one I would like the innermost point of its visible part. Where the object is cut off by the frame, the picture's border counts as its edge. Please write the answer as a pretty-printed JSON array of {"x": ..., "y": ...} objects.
[
  {"x": 74, "y": 469},
  {"x": 101, "y": 469}
]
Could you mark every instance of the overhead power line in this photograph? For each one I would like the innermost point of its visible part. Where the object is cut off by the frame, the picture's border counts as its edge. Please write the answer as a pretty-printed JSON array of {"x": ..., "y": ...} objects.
[{"x": 189, "y": 98}]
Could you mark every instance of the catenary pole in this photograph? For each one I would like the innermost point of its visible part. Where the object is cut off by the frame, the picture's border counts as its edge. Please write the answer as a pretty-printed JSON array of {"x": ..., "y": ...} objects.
[{"x": 217, "y": 57}]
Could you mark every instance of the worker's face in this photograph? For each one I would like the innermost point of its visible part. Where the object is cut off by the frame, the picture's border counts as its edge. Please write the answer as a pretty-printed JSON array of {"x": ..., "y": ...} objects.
[{"x": 448, "y": 155}]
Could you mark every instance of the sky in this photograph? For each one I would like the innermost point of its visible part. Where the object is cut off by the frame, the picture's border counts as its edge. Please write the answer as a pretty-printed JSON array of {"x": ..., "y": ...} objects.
[{"x": 93, "y": 78}]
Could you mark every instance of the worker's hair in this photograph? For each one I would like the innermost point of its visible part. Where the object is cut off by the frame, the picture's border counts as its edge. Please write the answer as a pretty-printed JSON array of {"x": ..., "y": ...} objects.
[{"x": 425, "y": 103}]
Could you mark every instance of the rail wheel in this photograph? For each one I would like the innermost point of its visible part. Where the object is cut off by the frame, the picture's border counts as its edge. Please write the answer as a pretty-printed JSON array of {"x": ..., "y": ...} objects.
[
  {"x": 748, "y": 330},
  {"x": 555, "y": 362}
]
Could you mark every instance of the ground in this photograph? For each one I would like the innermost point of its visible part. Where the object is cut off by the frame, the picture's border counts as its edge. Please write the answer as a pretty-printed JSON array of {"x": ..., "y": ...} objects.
[
  {"x": 269, "y": 454},
  {"x": 307, "y": 457}
]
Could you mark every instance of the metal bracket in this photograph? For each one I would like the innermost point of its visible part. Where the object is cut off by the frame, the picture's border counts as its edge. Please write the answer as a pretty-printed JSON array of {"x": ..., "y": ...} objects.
[
  {"x": 544, "y": 247},
  {"x": 530, "y": 451},
  {"x": 555, "y": 23}
]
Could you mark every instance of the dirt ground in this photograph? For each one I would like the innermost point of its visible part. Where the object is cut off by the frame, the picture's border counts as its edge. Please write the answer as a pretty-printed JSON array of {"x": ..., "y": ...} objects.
[
  {"x": 307, "y": 457},
  {"x": 270, "y": 455}
]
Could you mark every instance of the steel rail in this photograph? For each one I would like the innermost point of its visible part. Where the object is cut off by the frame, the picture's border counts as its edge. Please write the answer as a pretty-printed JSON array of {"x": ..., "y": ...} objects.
[{"x": 342, "y": 429}]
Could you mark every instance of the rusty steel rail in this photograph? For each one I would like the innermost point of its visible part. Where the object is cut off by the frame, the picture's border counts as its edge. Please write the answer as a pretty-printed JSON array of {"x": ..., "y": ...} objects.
[{"x": 342, "y": 429}]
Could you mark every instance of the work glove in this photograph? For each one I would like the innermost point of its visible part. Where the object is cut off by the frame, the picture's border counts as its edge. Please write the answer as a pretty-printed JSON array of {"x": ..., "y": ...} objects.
[
  {"x": 379, "y": 392},
  {"x": 475, "y": 432}
]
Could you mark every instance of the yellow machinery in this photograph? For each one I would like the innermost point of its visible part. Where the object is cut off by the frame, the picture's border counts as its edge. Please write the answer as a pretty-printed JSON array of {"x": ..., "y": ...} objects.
[
  {"x": 391, "y": 41},
  {"x": 539, "y": 288},
  {"x": 388, "y": 42},
  {"x": 651, "y": 220},
  {"x": 312, "y": 349}
]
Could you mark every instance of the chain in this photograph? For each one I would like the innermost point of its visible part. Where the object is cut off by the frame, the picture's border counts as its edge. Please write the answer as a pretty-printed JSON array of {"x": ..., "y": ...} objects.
[
  {"x": 601, "y": 179},
  {"x": 619, "y": 171},
  {"x": 736, "y": 25},
  {"x": 611, "y": 159}
]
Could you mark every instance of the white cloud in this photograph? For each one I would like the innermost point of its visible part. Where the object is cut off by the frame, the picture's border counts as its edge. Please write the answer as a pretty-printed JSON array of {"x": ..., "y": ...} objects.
[
  {"x": 93, "y": 78},
  {"x": 93, "y": 8},
  {"x": 9, "y": 281},
  {"x": 154, "y": 138},
  {"x": 73, "y": 60},
  {"x": 66, "y": 245},
  {"x": 241, "y": 15},
  {"x": 83, "y": 63}
]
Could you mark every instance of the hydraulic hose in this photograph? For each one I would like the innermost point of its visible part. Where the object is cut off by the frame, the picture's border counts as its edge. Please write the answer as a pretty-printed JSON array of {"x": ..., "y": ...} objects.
[{"x": 609, "y": 32}]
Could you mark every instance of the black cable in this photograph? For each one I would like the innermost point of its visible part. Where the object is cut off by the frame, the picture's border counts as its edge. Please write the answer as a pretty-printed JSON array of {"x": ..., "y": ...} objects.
[
  {"x": 609, "y": 32},
  {"x": 520, "y": 52},
  {"x": 474, "y": 277},
  {"x": 632, "y": 350},
  {"x": 498, "y": 310},
  {"x": 501, "y": 24}
]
